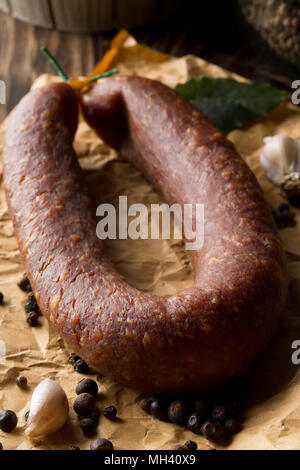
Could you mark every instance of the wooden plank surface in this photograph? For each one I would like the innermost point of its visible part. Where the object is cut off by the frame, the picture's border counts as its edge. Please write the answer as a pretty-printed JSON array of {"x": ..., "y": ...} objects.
[{"x": 22, "y": 61}]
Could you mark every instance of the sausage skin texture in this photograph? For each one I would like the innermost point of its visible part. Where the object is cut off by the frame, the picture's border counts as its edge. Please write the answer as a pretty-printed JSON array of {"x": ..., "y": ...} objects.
[{"x": 193, "y": 340}]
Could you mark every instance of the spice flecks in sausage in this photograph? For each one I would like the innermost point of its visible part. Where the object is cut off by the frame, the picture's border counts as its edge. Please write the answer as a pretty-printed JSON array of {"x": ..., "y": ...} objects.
[{"x": 148, "y": 342}]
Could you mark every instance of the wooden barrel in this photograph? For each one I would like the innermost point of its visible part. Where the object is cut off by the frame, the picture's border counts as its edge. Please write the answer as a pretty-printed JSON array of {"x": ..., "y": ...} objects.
[{"x": 89, "y": 15}]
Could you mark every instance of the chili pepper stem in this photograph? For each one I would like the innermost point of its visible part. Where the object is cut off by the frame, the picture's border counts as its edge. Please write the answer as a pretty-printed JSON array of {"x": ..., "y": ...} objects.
[
  {"x": 102, "y": 75},
  {"x": 55, "y": 64},
  {"x": 65, "y": 78}
]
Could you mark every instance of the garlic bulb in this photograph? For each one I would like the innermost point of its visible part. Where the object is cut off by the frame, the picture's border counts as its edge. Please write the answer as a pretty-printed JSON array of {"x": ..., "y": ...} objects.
[
  {"x": 49, "y": 410},
  {"x": 280, "y": 160}
]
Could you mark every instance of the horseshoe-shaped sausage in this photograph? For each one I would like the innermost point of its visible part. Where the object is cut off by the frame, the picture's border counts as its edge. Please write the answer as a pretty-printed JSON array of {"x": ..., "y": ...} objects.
[{"x": 195, "y": 339}]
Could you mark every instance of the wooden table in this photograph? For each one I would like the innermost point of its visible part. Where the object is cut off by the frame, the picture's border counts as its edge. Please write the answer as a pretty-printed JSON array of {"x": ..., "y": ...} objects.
[{"x": 213, "y": 37}]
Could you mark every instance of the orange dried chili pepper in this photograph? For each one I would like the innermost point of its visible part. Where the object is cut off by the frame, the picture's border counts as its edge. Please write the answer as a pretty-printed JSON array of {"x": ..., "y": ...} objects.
[
  {"x": 108, "y": 58},
  {"x": 101, "y": 70}
]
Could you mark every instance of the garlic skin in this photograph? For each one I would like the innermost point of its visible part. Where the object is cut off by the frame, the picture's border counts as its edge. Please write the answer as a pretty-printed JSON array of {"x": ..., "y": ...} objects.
[
  {"x": 280, "y": 160},
  {"x": 49, "y": 410}
]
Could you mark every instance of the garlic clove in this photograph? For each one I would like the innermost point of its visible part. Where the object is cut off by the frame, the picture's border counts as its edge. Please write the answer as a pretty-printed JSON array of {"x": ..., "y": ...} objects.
[
  {"x": 279, "y": 156},
  {"x": 280, "y": 160},
  {"x": 49, "y": 410}
]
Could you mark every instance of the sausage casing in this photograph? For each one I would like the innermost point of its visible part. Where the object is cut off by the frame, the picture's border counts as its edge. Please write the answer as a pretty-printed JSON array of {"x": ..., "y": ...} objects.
[{"x": 196, "y": 339}]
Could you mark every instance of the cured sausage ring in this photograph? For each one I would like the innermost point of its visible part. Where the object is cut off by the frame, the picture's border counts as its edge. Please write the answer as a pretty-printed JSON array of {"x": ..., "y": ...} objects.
[{"x": 195, "y": 339}]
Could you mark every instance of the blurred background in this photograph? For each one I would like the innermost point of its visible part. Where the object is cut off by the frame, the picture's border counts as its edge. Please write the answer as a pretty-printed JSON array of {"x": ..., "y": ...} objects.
[{"x": 259, "y": 39}]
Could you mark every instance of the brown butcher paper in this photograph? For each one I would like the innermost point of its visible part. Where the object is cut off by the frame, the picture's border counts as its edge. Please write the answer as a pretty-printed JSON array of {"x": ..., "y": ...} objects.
[{"x": 157, "y": 266}]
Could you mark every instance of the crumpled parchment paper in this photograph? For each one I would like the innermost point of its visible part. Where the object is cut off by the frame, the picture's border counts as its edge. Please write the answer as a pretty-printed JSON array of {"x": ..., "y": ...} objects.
[{"x": 158, "y": 266}]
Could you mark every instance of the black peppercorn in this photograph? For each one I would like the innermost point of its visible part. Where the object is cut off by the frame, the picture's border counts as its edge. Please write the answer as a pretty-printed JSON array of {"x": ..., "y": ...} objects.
[
  {"x": 8, "y": 420},
  {"x": 195, "y": 422},
  {"x": 84, "y": 404},
  {"x": 283, "y": 207},
  {"x": 159, "y": 409},
  {"x": 31, "y": 304},
  {"x": 284, "y": 217},
  {"x": 145, "y": 404},
  {"x": 203, "y": 406},
  {"x": 72, "y": 447},
  {"x": 178, "y": 412},
  {"x": 1, "y": 298},
  {"x": 191, "y": 445},
  {"x": 223, "y": 412},
  {"x": 232, "y": 426},
  {"x": 21, "y": 381},
  {"x": 187, "y": 446},
  {"x": 110, "y": 412},
  {"x": 26, "y": 416},
  {"x": 32, "y": 318},
  {"x": 295, "y": 200},
  {"x": 87, "y": 386},
  {"x": 81, "y": 366},
  {"x": 88, "y": 425},
  {"x": 24, "y": 283},
  {"x": 101, "y": 444},
  {"x": 73, "y": 358},
  {"x": 212, "y": 430},
  {"x": 94, "y": 416}
]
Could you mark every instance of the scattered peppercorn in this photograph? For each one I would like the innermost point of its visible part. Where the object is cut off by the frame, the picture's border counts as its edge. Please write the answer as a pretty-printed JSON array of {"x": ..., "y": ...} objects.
[
  {"x": 208, "y": 416},
  {"x": 284, "y": 217},
  {"x": 203, "y": 406},
  {"x": 283, "y": 207},
  {"x": 88, "y": 425},
  {"x": 87, "y": 386},
  {"x": 24, "y": 283},
  {"x": 26, "y": 416},
  {"x": 73, "y": 358},
  {"x": 94, "y": 416},
  {"x": 31, "y": 304},
  {"x": 72, "y": 447},
  {"x": 110, "y": 412},
  {"x": 8, "y": 420},
  {"x": 295, "y": 200},
  {"x": 178, "y": 412},
  {"x": 195, "y": 422},
  {"x": 81, "y": 366},
  {"x": 212, "y": 430},
  {"x": 223, "y": 412},
  {"x": 159, "y": 409},
  {"x": 192, "y": 445},
  {"x": 145, "y": 404},
  {"x": 1, "y": 298},
  {"x": 232, "y": 426},
  {"x": 84, "y": 404},
  {"x": 187, "y": 446},
  {"x": 21, "y": 381},
  {"x": 32, "y": 318},
  {"x": 101, "y": 444}
]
